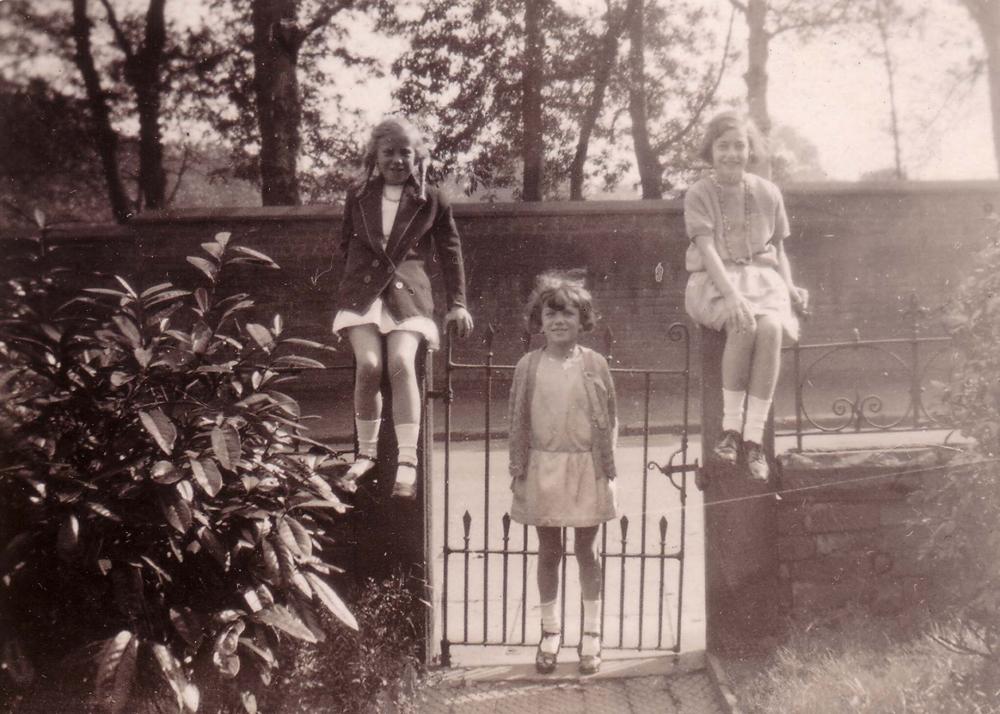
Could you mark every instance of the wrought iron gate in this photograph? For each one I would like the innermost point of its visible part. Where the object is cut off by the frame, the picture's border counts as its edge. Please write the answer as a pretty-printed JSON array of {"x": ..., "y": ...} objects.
[{"x": 486, "y": 589}]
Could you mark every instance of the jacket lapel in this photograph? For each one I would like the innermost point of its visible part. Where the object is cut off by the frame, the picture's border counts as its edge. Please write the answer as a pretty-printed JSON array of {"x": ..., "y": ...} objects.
[
  {"x": 409, "y": 205},
  {"x": 370, "y": 202}
]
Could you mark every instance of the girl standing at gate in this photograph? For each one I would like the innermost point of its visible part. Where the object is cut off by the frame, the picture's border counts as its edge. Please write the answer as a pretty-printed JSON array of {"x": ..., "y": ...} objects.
[
  {"x": 741, "y": 281},
  {"x": 394, "y": 227},
  {"x": 563, "y": 429}
]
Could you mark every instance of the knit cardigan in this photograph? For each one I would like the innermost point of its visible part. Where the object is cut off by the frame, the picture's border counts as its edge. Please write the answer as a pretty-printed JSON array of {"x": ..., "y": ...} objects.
[{"x": 600, "y": 402}]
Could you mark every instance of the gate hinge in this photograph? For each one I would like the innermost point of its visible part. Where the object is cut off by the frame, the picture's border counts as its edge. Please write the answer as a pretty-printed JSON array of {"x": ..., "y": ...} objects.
[{"x": 444, "y": 394}]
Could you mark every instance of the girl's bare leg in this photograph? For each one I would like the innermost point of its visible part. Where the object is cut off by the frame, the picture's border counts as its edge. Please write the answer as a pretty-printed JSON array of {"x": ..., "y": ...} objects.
[
  {"x": 590, "y": 588},
  {"x": 367, "y": 347},
  {"x": 763, "y": 380},
  {"x": 766, "y": 361},
  {"x": 550, "y": 552},
  {"x": 736, "y": 359},
  {"x": 402, "y": 358}
]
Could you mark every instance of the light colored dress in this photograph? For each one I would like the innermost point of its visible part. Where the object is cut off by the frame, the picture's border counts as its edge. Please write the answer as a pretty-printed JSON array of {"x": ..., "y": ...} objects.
[
  {"x": 377, "y": 314},
  {"x": 746, "y": 245},
  {"x": 561, "y": 486}
]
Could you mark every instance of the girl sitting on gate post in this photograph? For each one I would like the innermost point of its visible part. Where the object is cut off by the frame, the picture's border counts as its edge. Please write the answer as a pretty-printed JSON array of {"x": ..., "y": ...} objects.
[
  {"x": 563, "y": 429},
  {"x": 394, "y": 226},
  {"x": 741, "y": 281}
]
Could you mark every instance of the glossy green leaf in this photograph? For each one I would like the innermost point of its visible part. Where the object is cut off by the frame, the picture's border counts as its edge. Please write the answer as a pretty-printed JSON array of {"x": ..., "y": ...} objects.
[
  {"x": 160, "y": 427},
  {"x": 165, "y": 472},
  {"x": 261, "y": 335},
  {"x": 206, "y": 267},
  {"x": 206, "y": 475},
  {"x": 227, "y": 446},
  {"x": 285, "y": 619},
  {"x": 116, "y": 666},
  {"x": 331, "y": 600}
]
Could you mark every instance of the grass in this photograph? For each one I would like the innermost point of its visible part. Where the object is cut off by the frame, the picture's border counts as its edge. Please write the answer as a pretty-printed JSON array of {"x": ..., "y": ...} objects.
[{"x": 854, "y": 662}]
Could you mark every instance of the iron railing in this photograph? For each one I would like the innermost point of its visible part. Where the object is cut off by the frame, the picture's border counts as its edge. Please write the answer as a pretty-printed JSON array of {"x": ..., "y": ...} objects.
[{"x": 904, "y": 365}]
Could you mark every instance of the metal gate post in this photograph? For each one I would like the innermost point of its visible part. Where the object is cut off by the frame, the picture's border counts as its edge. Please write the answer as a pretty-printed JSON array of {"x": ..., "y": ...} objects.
[{"x": 428, "y": 493}]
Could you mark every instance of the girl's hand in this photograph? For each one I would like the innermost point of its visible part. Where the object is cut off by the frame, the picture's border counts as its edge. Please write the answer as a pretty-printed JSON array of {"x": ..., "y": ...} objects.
[
  {"x": 800, "y": 299},
  {"x": 740, "y": 314},
  {"x": 462, "y": 319}
]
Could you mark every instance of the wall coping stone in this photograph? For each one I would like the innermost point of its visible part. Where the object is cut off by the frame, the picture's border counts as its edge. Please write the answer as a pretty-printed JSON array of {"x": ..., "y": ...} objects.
[{"x": 674, "y": 206}]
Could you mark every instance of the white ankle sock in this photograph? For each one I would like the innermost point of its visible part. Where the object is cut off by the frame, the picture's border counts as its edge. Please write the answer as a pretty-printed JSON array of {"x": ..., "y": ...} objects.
[
  {"x": 732, "y": 409},
  {"x": 367, "y": 436},
  {"x": 757, "y": 410},
  {"x": 591, "y": 623},
  {"x": 406, "y": 439},
  {"x": 550, "y": 623}
]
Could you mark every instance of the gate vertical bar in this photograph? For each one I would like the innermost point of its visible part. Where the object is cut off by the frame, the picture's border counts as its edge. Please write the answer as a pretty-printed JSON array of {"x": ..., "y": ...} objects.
[
  {"x": 645, "y": 500},
  {"x": 486, "y": 498},
  {"x": 427, "y": 439},
  {"x": 446, "y": 546}
]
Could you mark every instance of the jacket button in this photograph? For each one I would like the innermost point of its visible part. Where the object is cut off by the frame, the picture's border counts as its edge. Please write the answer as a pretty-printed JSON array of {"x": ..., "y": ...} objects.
[
  {"x": 399, "y": 285},
  {"x": 367, "y": 279},
  {"x": 375, "y": 263}
]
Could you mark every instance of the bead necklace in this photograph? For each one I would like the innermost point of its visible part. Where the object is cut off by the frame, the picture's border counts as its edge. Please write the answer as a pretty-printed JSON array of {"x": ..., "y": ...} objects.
[
  {"x": 387, "y": 197},
  {"x": 727, "y": 227}
]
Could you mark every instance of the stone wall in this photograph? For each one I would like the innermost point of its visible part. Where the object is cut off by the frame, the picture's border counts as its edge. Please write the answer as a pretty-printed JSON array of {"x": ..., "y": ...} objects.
[{"x": 845, "y": 533}]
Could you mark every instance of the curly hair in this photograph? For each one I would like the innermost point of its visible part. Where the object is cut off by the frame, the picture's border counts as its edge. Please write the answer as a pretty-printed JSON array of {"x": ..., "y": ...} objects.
[
  {"x": 723, "y": 122},
  {"x": 393, "y": 126},
  {"x": 557, "y": 289}
]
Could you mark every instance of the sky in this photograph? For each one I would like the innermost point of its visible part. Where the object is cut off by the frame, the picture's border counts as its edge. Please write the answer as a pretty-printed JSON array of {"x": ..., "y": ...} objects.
[
  {"x": 836, "y": 95},
  {"x": 833, "y": 92}
]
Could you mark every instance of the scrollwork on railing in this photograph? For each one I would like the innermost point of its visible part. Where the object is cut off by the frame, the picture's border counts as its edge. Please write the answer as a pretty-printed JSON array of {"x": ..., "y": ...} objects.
[{"x": 904, "y": 368}]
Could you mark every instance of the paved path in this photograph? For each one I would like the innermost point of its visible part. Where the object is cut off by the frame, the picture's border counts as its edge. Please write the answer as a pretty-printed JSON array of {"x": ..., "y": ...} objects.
[{"x": 662, "y": 685}]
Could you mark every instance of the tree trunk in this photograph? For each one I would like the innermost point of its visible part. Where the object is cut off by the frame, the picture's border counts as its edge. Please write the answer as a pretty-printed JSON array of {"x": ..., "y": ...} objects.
[
  {"x": 757, "y": 52},
  {"x": 758, "y": 48},
  {"x": 881, "y": 24},
  {"x": 986, "y": 13},
  {"x": 145, "y": 71},
  {"x": 532, "y": 76},
  {"x": 602, "y": 74},
  {"x": 276, "y": 42},
  {"x": 650, "y": 170},
  {"x": 104, "y": 134}
]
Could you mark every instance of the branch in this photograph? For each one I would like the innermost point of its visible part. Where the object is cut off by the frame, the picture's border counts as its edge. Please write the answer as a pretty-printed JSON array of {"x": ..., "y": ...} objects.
[
  {"x": 710, "y": 90},
  {"x": 739, "y": 6},
  {"x": 120, "y": 35},
  {"x": 324, "y": 15},
  {"x": 180, "y": 174},
  {"x": 836, "y": 15}
]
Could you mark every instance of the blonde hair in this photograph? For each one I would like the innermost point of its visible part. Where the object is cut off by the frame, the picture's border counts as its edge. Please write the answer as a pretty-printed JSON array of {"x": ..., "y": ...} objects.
[
  {"x": 723, "y": 122},
  {"x": 558, "y": 288},
  {"x": 391, "y": 126}
]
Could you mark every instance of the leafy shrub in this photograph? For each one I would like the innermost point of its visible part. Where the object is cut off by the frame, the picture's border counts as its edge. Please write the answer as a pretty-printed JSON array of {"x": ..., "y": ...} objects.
[
  {"x": 372, "y": 670},
  {"x": 962, "y": 510},
  {"x": 973, "y": 319},
  {"x": 163, "y": 532}
]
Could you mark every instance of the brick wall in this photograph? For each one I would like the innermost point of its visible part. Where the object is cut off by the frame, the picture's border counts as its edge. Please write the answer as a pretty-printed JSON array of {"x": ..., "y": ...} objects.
[
  {"x": 848, "y": 537},
  {"x": 860, "y": 249}
]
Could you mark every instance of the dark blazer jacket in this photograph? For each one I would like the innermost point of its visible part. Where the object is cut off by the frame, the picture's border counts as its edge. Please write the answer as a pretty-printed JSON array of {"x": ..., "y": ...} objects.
[{"x": 423, "y": 232}]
